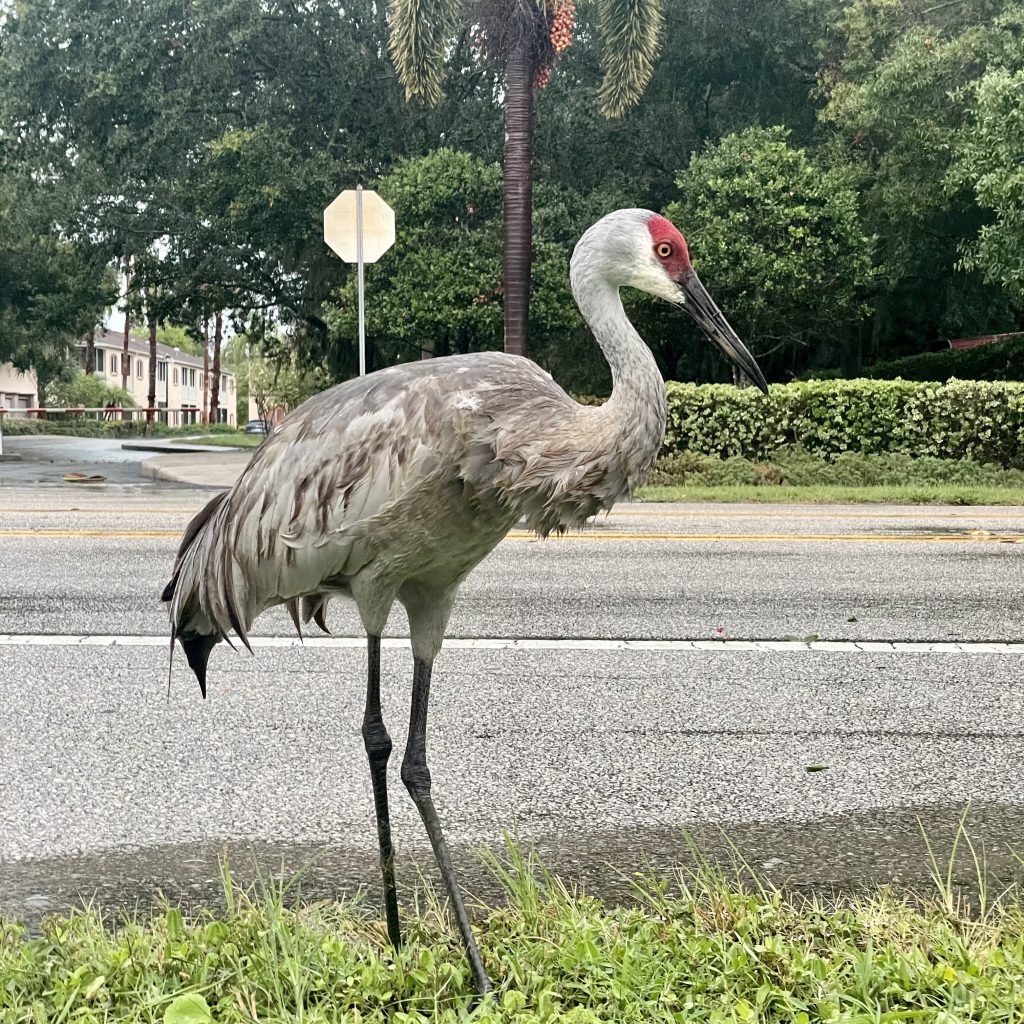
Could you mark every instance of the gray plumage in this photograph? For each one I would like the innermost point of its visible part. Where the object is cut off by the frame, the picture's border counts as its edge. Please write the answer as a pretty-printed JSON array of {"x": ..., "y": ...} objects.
[{"x": 395, "y": 485}]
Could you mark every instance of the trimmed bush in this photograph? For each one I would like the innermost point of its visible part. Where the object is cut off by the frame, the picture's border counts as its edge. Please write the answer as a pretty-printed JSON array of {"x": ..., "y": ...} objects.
[
  {"x": 75, "y": 425},
  {"x": 982, "y": 421}
]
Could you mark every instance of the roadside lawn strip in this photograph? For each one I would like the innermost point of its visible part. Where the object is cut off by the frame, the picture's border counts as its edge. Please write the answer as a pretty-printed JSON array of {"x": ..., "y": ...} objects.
[
  {"x": 911, "y": 494},
  {"x": 705, "y": 947}
]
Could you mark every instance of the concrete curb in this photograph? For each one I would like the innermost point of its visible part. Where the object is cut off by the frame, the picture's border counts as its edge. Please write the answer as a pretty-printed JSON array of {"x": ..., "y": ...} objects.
[
  {"x": 166, "y": 448},
  {"x": 206, "y": 469}
]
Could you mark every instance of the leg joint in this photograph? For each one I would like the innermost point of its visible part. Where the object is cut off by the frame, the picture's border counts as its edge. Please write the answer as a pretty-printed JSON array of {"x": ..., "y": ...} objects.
[
  {"x": 416, "y": 776},
  {"x": 376, "y": 739}
]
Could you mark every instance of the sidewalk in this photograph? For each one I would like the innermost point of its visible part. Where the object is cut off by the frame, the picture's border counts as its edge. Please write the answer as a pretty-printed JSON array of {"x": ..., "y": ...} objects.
[{"x": 199, "y": 469}]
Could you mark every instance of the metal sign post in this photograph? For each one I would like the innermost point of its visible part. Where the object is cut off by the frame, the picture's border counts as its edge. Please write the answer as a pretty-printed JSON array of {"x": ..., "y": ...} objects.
[
  {"x": 360, "y": 227},
  {"x": 359, "y": 278}
]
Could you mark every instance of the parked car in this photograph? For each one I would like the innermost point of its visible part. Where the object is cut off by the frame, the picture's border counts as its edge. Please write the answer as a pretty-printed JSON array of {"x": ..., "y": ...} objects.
[{"x": 256, "y": 427}]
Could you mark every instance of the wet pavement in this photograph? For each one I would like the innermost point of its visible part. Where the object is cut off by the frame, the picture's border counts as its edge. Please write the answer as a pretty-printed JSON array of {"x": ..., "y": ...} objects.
[
  {"x": 45, "y": 459},
  {"x": 830, "y": 858}
]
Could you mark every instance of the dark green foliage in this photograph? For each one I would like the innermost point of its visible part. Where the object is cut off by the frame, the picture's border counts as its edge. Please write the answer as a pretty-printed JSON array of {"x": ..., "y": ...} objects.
[
  {"x": 1001, "y": 361},
  {"x": 779, "y": 243},
  {"x": 204, "y": 138}
]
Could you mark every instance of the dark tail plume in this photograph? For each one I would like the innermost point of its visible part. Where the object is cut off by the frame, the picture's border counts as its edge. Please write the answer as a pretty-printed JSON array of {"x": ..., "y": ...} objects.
[{"x": 197, "y": 646}]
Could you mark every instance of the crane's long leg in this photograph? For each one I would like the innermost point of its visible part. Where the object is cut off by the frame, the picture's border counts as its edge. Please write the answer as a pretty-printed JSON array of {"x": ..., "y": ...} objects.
[
  {"x": 416, "y": 776},
  {"x": 378, "y": 750}
]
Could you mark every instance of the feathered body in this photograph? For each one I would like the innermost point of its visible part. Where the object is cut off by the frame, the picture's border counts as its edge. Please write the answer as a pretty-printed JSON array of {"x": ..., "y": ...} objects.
[{"x": 395, "y": 485}]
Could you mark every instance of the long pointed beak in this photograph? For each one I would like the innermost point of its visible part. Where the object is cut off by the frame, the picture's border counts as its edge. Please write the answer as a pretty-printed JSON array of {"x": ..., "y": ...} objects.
[{"x": 709, "y": 318}]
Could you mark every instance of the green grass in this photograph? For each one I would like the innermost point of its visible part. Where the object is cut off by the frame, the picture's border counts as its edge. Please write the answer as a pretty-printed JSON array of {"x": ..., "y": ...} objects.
[
  {"x": 238, "y": 440},
  {"x": 912, "y": 494},
  {"x": 705, "y": 948}
]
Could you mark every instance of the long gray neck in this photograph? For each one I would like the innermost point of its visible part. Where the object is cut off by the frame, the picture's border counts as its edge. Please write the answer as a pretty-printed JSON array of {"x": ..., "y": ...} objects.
[{"x": 637, "y": 403}]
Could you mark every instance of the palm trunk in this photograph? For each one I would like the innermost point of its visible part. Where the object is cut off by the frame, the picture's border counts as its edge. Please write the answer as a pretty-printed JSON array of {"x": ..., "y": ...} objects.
[
  {"x": 218, "y": 335},
  {"x": 151, "y": 398},
  {"x": 518, "y": 194}
]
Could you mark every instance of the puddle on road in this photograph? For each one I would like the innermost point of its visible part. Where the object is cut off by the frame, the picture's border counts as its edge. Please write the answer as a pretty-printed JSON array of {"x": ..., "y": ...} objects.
[{"x": 835, "y": 855}]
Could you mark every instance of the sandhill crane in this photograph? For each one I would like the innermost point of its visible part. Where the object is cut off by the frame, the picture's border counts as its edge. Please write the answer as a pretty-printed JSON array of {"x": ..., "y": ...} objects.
[{"x": 395, "y": 485}]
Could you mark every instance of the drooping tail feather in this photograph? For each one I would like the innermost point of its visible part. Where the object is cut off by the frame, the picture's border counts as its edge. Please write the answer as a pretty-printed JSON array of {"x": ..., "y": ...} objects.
[{"x": 191, "y": 622}]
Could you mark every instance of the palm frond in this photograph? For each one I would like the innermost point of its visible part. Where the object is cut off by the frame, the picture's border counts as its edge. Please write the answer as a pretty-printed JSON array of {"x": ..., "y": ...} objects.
[
  {"x": 420, "y": 33},
  {"x": 629, "y": 32}
]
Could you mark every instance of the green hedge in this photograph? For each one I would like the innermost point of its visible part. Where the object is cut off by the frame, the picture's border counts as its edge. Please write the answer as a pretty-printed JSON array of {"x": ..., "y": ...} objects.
[
  {"x": 978, "y": 420},
  {"x": 1001, "y": 361}
]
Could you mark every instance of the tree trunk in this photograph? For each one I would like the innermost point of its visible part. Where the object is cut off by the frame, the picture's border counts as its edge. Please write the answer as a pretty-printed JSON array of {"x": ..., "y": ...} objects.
[
  {"x": 151, "y": 398},
  {"x": 126, "y": 359},
  {"x": 518, "y": 193},
  {"x": 218, "y": 335},
  {"x": 206, "y": 370},
  {"x": 90, "y": 352}
]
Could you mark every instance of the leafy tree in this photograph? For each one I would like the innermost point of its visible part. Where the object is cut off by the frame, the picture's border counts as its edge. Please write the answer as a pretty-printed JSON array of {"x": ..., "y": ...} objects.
[
  {"x": 51, "y": 291},
  {"x": 283, "y": 384},
  {"x": 777, "y": 241},
  {"x": 992, "y": 161},
  {"x": 449, "y": 232},
  {"x": 722, "y": 67},
  {"x": 898, "y": 81},
  {"x": 522, "y": 37},
  {"x": 177, "y": 336}
]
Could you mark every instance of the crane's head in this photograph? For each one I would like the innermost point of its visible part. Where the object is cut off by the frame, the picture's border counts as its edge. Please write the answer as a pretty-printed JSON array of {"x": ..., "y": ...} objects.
[{"x": 641, "y": 249}]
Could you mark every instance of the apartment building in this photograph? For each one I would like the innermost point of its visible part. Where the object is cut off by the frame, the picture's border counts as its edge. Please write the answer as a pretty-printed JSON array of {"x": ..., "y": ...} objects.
[
  {"x": 17, "y": 390},
  {"x": 180, "y": 383}
]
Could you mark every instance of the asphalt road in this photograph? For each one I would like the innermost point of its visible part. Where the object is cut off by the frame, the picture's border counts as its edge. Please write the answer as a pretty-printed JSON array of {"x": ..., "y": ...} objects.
[{"x": 599, "y": 756}]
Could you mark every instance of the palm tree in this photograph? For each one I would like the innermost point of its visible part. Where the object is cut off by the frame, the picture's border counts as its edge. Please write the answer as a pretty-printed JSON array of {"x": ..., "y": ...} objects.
[{"x": 524, "y": 37}]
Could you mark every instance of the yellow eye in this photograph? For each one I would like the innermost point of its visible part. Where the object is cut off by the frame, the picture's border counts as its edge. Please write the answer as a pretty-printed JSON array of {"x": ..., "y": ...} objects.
[{"x": 663, "y": 250}]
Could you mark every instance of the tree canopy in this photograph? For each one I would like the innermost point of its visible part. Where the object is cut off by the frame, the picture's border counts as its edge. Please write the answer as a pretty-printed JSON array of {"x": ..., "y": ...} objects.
[{"x": 848, "y": 175}]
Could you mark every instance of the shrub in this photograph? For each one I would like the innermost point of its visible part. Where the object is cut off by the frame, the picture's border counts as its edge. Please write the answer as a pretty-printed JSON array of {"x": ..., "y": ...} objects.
[
  {"x": 88, "y": 391},
  {"x": 79, "y": 426},
  {"x": 1003, "y": 360},
  {"x": 978, "y": 420}
]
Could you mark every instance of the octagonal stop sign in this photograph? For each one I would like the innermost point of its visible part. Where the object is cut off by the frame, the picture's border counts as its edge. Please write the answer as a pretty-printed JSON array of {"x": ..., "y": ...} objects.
[{"x": 341, "y": 231}]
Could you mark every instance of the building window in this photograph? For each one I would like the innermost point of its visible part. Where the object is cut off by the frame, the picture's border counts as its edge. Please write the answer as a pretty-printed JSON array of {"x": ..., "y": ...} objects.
[
  {"x": 175, "y": 376},
  {"x": 191, "y": 378},
  {"x": 138, "y": 368},
  {"x": 113, "y": 365},
  {"x": 161, "y": 372},
  {"x": 202, "y": 381},
  {"x": 101, "y": 360}
]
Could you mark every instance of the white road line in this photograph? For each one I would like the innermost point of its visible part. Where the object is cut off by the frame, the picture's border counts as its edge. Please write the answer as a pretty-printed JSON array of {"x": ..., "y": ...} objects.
[{"x": 583, "y": 644}]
